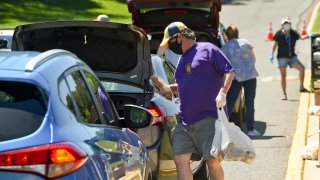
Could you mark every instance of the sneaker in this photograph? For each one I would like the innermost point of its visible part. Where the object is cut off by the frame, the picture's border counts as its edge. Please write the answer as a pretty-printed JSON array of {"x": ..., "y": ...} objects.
[{"x": 254, "y": 132}]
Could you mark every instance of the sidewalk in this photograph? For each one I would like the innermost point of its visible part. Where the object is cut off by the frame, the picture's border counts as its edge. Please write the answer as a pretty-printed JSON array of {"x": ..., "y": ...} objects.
[
  {"x": 299, "y": 169},
  {"x": 311, "y": 168}
]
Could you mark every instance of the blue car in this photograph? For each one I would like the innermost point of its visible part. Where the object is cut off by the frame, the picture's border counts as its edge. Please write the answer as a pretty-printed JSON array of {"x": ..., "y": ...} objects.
[{"x": 58, "y": 122}]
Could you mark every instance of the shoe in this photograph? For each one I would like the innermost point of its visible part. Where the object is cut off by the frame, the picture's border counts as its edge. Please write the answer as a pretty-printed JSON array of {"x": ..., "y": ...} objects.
[
  {"x": 254, "y": 132},
  {"x": 284, "y": 97},
  {"x": 304, "y": 90}
]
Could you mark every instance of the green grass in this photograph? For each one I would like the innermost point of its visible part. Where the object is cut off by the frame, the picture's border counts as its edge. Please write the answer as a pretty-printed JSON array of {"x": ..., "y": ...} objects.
[
  {"x": 16, "y": 12},
  {"x": 316, "y": 25}
]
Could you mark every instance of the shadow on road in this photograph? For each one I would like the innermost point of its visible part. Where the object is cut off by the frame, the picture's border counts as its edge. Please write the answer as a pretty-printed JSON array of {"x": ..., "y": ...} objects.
[
  {"x": 264, "y": 137},
  {"x": 261, "y": 127},
  {"x": 294, "y": 100}
]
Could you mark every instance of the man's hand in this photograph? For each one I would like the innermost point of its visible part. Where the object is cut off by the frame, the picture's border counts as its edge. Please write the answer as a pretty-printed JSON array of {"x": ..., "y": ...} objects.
[
  {"x": 166, "y": 92},
  {"x": 164, "y": 89},
  {"x": 221, "y": 100}
]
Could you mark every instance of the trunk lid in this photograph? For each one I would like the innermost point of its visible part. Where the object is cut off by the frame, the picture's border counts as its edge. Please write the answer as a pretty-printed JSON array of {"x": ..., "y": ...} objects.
[
  {"x": 149, "y": 14},
  {"x": 113, "y": 50}
]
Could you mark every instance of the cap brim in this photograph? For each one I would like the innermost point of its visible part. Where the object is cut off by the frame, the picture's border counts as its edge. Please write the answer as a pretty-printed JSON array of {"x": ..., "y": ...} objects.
[{"x": 164, "y": 42}]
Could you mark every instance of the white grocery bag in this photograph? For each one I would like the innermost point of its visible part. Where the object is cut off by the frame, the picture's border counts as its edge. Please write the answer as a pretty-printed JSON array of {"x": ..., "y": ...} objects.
[
  {"x": 216, "y": 150},
  {"x": 234, "y": 144}
]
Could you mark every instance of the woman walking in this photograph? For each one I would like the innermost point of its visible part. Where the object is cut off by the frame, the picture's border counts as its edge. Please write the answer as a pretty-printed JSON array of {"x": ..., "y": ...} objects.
[{"x": 240, "y": 54}]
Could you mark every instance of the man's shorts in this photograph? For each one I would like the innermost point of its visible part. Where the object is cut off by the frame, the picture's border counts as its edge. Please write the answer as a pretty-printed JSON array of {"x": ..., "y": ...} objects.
[
  {"x": 284, "y": 62},
  {"x": 194, "y": 138}
]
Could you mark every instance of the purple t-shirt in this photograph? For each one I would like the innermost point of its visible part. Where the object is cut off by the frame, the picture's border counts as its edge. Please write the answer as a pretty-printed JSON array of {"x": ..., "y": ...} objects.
[{"x": 199, "y": 76}]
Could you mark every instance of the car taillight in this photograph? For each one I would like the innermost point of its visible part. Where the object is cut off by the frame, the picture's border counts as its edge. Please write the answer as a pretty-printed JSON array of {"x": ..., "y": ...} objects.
[
  {"x": 50, "y": 161},
  {"x": 175, "y": 12},
  {"x": 159, "y": 115}
]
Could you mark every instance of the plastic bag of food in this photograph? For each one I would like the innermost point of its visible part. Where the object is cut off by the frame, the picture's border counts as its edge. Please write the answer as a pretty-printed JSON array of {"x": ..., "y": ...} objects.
[{"x": 310, "y": 151}]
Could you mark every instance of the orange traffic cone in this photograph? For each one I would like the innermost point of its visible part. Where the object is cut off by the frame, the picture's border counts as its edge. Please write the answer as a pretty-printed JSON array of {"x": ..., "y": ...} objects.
[
  {"x": 304, "y": 29},
  {"x": 270, "y": 34}
]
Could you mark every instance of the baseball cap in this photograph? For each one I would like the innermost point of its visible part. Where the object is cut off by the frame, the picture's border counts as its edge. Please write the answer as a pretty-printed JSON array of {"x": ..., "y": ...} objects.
[
  {"x": 170, "y": 31},
  {"x": 285, "y": 20}
]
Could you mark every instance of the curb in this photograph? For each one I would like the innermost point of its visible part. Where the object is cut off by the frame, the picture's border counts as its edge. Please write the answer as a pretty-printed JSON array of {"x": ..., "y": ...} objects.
[
  {"x": 295, "y": 162},
  {"x": 295, "y": 167}
]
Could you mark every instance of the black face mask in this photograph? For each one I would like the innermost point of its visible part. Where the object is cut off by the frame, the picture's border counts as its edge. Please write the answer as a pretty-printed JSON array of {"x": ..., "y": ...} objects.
[{"x": 175, "y": 47}]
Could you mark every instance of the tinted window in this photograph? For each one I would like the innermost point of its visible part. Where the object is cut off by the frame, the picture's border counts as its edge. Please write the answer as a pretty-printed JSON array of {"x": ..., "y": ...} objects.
[
  {"x": 65, "y": 96},
  {"x": 82, "y": 97},
  {"x": 22, "y": 109},
  {"x": 101, "y": 96}
]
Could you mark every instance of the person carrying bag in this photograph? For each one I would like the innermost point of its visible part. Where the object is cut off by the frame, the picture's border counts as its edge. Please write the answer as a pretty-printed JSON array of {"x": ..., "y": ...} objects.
[{"x": 230, "y": 143}]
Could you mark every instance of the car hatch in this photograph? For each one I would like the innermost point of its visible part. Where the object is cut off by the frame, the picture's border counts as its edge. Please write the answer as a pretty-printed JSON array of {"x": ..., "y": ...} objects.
[
  {"x": 159, "y": 13},
  {"x": 113, "y": 50}
]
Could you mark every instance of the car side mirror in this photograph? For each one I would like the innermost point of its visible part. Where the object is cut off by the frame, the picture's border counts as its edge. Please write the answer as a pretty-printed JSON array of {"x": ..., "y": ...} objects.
[
  {"x": 3, "y": 43},
  {"x": 136, "y": 116}
]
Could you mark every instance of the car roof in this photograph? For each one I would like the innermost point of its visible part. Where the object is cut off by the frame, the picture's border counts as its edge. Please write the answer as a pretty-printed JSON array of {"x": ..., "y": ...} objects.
[
  {"x": 28, "y": 60},
  {"x": 13, "y": 60}
]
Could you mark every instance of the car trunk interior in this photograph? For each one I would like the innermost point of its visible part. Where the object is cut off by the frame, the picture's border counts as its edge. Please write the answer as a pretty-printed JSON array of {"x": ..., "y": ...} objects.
[
  {"x": 163, "y": 16},
  {"x": 103, "y": 49}
]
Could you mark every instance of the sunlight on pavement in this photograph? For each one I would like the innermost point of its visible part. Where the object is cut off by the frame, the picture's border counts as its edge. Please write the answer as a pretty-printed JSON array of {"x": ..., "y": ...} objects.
[{"x": 277, "y": 78}]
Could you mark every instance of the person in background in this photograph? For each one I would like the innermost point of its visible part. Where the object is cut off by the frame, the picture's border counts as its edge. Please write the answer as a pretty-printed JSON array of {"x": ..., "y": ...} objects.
[
  {"x": 203, "y": 77},
  {"x": 102, "y": 18},
  {"x": 240, "y": 53},
  {"x": 285, "y": 39}
]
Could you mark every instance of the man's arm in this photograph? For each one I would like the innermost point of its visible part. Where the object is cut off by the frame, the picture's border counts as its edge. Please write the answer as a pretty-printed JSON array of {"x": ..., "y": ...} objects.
[
  {"x": 228, "y": 78},
  {"x": 221, "y": 100}
]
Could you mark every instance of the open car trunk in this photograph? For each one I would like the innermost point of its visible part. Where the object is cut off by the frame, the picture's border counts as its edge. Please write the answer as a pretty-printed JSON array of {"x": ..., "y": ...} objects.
[
  {"x": 202, "y": 16},
  {"x": 114, "y": 51},
  {"x": 150, "y": 14}
]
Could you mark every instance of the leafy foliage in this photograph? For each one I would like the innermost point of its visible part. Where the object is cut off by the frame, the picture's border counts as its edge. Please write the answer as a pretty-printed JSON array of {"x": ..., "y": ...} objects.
[{"x": 18, "y": 12}]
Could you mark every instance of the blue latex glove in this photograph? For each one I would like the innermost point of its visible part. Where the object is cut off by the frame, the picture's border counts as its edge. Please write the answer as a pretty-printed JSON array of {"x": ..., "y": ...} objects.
[
  {"x": 271, "y": 57},
  {"x": 310, "y": 34}
]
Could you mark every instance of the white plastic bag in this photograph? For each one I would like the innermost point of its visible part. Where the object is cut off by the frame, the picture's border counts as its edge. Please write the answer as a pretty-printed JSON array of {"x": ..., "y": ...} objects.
[
  {"x": 310, "y": 151},
  {"x": 235, "y": 145},
  {"x": 216, "y": 142}
]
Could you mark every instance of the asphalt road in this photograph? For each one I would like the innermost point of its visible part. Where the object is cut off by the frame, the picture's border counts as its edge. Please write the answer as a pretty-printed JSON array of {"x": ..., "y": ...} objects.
[{"x": 275, "y": 118}]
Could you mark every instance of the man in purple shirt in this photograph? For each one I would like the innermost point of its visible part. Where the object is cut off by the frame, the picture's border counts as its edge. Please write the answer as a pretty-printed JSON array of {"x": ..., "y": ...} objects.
[{"x": 203, "y": 77}]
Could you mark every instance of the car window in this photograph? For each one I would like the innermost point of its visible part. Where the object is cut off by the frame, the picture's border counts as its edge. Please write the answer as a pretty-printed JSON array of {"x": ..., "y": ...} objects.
[
  {"x": 6, "y": 35},
  {"x": 22, "y": 109},
  {"x": 169, "y": 72},
  {"x": 81, "y": 94},
  {"x": 101, "y": 96},
  {"x": 65, "y": 96}
]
